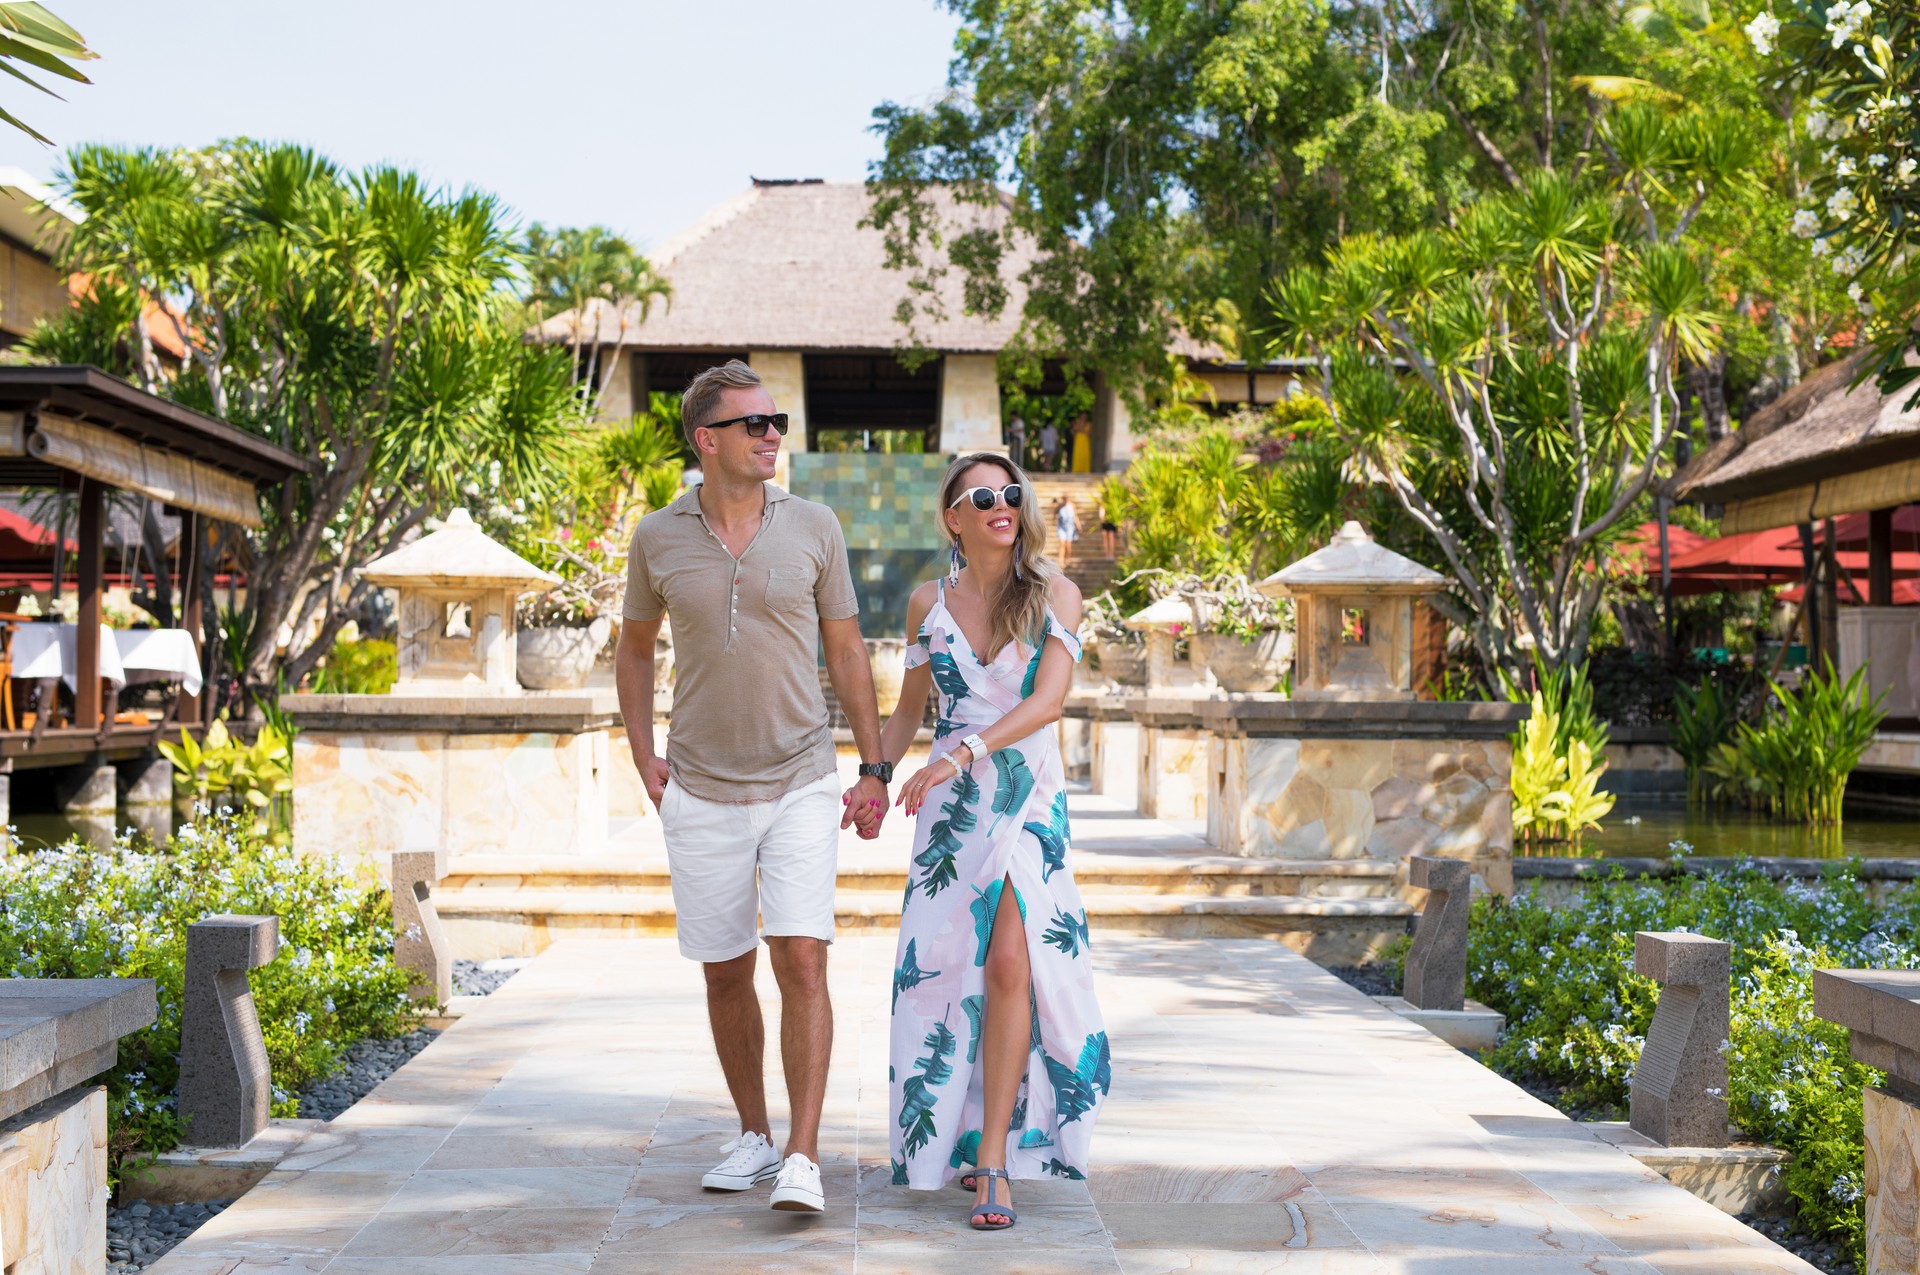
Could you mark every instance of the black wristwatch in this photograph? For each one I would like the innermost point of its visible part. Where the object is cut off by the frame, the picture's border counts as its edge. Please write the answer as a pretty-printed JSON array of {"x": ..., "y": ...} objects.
[{"x": 881, "y": 770}]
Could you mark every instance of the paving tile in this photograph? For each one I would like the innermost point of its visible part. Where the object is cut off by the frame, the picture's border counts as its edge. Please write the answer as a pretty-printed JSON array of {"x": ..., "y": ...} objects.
[
  {"x": 654, "y": 1186},
  {"x": 1471, "y": 1225},
  {"x": 355, "y": 1191},
  {"x": 481, "y": 1233},
  {"x": 536, "y": 1149},
  {"x": 988, "y": 1258},
  {"x": 1193, "y": 1184},
  {"x": 472, "y": 1264},
  {"x": 1319, "y": 1261},
  {"x": 945, "y": 1226},
  {"x": 436, "y": 1190},
  {"x": 365, "y": 1150},
  {"x": 1301, "y": 1222},
  {"x": 301, "y": 1238},
  {"x": 736, "y": 1226},
  {"x": 762, "y": 1263}
]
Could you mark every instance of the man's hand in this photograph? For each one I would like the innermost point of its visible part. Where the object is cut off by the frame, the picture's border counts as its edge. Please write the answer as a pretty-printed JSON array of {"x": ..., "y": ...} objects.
[
  {"x": 653, "y": 773},
  {"x": 866, "y": 806}
]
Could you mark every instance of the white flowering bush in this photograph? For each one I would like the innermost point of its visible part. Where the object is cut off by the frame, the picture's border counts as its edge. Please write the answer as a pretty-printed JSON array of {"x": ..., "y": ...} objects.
[
  {"x": 1856, "y": 64},
  {"x": 1577, "y": 1015},
  {"x": 77, "y": 912}
]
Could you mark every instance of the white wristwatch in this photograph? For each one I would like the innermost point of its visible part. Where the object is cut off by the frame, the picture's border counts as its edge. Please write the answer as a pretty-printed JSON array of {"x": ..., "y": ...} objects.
[{"x": 977, "y": 747}]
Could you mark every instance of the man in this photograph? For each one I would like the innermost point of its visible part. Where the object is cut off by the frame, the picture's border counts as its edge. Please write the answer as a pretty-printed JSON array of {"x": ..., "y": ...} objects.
[
  {"x": 1049, "y": 446},
  {"x": 753, "y": 579},
  {"x": 1017, "y": 440}
]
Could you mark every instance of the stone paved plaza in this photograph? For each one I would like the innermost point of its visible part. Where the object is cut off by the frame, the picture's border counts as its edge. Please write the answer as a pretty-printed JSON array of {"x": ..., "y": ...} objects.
[{"x": 1264, "y": 1118}]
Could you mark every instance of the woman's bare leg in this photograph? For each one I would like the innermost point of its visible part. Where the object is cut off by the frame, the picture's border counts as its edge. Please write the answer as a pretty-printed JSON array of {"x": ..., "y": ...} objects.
[{"x": 1006, "y": 1037}]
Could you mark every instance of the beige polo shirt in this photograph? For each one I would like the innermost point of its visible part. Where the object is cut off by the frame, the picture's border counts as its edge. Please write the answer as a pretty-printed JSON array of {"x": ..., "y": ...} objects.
[{"x": 749, "y": 722}]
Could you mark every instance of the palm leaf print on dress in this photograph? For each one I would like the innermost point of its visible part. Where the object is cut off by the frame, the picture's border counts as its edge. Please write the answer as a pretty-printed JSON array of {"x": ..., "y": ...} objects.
[
  {"x": 916, "y": 1103},
  {"x": 1052, "y": 837},
  {"x": 943, "y": 841},
  {"x": 948, "y": 677},
  {"x": 910, "y": 975},
  {"x": 976, "y": 1007},
  {"x": 1077, "y": 1088},
  {"x": 985, "y": 905},
  {"x": 1015, "y": 786},
  {"x": 1068, "y": 933}
]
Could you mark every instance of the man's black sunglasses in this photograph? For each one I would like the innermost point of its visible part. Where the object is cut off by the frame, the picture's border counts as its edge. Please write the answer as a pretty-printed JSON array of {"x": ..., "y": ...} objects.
[{"x": 756, "y": 424}]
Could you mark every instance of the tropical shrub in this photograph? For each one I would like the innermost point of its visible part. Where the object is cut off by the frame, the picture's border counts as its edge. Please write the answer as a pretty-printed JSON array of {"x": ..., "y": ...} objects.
[
  {"x": 1577, "y": 1015},
  {"x": 1704, "y": 718},
  {"x": 122, "y": 912},
  {"x": 222, "y": 766},
  {"x": 1558, "y": 758},
  {"x": 1795, "y": 763},
  {"x": 361, "y": 666}
]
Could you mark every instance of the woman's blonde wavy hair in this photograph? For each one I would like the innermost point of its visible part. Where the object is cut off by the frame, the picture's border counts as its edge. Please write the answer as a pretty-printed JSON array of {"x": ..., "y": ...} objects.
[{"x": 1018, "y": 609}]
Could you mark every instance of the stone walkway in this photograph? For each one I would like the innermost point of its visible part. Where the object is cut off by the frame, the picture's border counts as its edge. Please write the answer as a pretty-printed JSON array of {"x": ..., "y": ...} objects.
[{"x": 1264, "y": 1118}]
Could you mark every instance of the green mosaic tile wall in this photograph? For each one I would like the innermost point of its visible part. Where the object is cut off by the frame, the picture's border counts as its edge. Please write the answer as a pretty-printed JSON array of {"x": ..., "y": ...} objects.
[{"x": 886, "y": 510}]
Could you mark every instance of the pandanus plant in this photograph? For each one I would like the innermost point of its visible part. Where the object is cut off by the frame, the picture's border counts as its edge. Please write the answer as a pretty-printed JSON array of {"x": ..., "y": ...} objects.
[{"x": 1510, "y": 379}]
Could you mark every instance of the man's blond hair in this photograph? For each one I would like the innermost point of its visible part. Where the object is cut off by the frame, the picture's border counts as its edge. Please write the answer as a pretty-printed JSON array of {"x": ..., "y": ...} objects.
[{"x": 700, "y": 405}]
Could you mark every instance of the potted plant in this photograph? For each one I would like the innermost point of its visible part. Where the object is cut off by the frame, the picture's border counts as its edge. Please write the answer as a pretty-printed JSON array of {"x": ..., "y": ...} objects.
[
  {"x": 563, "y": 631},
  {"x": 1243, "y": 639},
  {"x": 1116, "y": 652}
]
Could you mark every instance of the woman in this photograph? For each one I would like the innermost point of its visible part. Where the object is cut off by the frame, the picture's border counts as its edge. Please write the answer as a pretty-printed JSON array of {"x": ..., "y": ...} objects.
[
  {"x": 1000, "y": 1058},
  {"x": 1082, "y": 445},
  {"x": 1066, "y": 525}
]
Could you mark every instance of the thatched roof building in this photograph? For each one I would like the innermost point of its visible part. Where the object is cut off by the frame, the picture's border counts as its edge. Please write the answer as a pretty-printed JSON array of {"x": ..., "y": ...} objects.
[{"x": 1825, "y": 447}]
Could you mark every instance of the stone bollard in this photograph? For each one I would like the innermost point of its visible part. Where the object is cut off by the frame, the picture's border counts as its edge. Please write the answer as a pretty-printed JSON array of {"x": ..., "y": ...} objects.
[
  {"x": 1881, "y": 1011},
  {"x": 1436, "y": 976},
  {"x": 226, "y": 1088},
  {"x": 1679, "y": 1089},
  {"x": 419, "y": 942}
]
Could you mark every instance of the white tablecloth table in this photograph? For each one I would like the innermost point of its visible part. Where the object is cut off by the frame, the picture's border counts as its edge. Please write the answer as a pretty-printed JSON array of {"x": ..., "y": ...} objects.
[
  {"x": 51, "y": 650},
  {"x": 126, "y": 655},
  {"x": 159, "y": 655}
]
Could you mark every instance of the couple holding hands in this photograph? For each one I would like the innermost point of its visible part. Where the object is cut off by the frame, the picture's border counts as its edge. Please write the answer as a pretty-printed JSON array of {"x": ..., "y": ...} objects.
[{"x": 999, "y": 1056}]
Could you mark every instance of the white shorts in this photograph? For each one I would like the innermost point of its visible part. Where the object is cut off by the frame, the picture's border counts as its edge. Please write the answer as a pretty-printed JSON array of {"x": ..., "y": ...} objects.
[{"x": 715, "y": 849}]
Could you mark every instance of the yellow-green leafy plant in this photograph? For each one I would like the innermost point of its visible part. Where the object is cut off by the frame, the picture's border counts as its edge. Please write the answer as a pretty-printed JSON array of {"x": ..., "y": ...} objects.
[
  {"x": 1556, "y": 794},
  {"x": 258, "y": 775}
]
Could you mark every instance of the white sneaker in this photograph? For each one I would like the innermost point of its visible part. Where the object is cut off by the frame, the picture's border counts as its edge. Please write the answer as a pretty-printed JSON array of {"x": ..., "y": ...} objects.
[
  {"x": 799, "y": 1189},
  {"x": 750, "y": 1161}
]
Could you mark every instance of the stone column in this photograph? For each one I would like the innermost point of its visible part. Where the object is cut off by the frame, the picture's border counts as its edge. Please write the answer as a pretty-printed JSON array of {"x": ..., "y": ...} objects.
[
  {"x": 226, "y": 1088},
  {"x": 1436, "y": 976},
  {"x": 148, "y": 780},
  {"x": 1881, "y": 1011},
  {"x": 970, "y": 404},
  {"x": 1112, "y": 428},
  {"x": 1679, "y": 1092},
  {"x": 419, "y": 942},
  {"x": 89, "y": 787},
  {"x": 784, "y": 373},
  {"x": 616, "y": 398}
]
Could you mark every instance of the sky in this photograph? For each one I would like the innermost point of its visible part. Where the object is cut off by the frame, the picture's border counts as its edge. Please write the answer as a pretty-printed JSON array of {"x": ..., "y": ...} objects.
[{"x": 638, "y": 116}]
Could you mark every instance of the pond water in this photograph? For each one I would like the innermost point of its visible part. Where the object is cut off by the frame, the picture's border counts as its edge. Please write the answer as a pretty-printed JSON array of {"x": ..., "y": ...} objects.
[
  {"x": 39, "y": 830},
  {"x": 1648, "y": 828}
]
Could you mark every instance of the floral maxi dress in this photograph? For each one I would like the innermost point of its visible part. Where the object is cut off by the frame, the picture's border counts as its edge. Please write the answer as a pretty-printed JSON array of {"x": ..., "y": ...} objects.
[{"x": 1003, "y": 819}]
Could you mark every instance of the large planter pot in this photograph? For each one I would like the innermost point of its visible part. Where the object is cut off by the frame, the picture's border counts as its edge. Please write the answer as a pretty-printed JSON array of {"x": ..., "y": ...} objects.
[
  {"x": 1239, "y": 665},
  {"x": 1122, "y": 663},
  {"x": 558, "y": 657},
  {"x": 887, "y": 657}
]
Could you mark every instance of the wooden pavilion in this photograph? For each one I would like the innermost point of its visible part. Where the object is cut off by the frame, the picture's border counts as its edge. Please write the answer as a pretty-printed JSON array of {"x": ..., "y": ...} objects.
[{"x": 81, "y": 431}]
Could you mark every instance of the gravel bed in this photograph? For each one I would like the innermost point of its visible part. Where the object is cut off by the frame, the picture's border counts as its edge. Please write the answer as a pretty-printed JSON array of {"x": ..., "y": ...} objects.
[
  {"x": 483, "y": 978},
  {"x": 1374, "y": 980},
  {"x": 1785, "y": 1232},
  {"x": 139, "y": 1235},
  {"x": 361, "y": 1068}
]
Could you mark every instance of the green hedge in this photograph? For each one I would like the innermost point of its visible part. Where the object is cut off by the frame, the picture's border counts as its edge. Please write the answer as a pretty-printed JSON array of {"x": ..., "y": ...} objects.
[
  {"x": 78, "y": 912},
  {"x": 1577, "y": 1014}
]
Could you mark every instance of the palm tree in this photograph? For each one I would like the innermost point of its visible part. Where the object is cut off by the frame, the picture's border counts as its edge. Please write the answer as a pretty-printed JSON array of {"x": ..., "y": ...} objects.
[
  {"x": 30, "y": 34},
  {"x": 580, "y": 272}
]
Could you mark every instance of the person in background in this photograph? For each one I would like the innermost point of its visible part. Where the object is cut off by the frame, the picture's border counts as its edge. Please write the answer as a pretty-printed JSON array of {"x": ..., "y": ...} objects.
[
  {"x": 1066, "y": 525},
  {"x": 1017, "y": 439},
  {"x": 1082, "y": 444},
  {"x": 1049, "y": 447}
]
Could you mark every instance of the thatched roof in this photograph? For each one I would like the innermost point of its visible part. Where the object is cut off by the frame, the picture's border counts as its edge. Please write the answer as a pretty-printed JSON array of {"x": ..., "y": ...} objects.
[
  {"x": 1818, "y": 429},
  {"x": 789, "y": 267}
]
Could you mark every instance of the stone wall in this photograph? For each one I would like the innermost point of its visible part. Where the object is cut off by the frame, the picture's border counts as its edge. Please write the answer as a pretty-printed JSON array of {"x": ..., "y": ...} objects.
[
  {"x": 1319, "y": 798},
  {"x": 1173, "y": 773},
  {"x": 369, "y": 794},
  {"x": 53, "y": 1203}
]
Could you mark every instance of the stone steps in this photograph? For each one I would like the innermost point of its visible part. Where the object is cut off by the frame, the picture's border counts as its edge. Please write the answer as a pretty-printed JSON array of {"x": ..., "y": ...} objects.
[
  {"x": 523, "y": 921},
  {"x": 1326, "y": 879}
]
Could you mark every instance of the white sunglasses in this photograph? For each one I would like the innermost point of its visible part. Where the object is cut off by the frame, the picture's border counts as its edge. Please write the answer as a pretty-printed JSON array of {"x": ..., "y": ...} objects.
[{"x": 983, "y": 498}]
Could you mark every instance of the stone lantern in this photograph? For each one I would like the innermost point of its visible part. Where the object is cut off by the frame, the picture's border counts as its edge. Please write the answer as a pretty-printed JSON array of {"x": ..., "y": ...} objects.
[
  {"x": 1353, "y": 618},
  {"x": 457, "y": 591}
]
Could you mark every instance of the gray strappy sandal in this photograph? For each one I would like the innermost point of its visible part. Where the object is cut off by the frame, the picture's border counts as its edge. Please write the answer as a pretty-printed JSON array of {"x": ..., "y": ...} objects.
[{"x": 980, "y": 1211}]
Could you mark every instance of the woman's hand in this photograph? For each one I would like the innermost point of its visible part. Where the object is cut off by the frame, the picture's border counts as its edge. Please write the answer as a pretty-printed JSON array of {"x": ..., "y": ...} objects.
[{"x": 930, "y": 776}]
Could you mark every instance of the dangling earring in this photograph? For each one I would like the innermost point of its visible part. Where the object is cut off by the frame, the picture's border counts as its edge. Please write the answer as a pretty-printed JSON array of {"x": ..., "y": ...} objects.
[
  {"x": 955, "y": 562},
  {"x": 1017, "y": 554}
]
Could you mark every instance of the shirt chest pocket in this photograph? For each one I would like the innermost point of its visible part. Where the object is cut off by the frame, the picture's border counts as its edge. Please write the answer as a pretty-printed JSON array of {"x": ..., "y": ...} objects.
[{"x": 789, "y": 589}]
